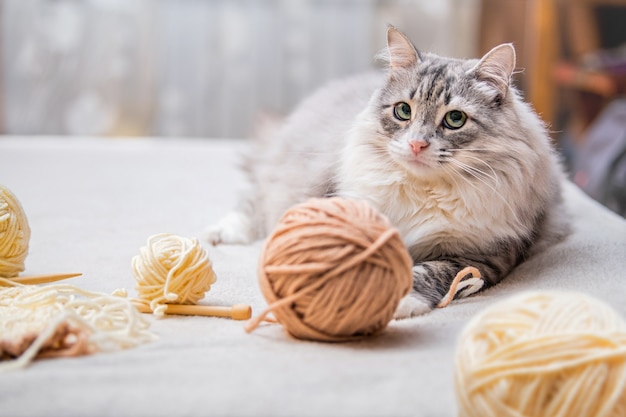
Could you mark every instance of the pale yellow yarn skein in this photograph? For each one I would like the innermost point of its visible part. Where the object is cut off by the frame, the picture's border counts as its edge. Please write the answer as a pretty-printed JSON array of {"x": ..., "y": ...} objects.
[
  {"x": 14, "y": 235},
  {"x": 543, "y": 354},
  {"x": 172, "y": 269}
]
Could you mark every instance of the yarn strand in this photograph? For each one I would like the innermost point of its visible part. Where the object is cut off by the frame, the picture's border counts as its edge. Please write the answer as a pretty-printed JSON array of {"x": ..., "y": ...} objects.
[
  {"x": 457, "y": 284},
  {"x": 64, "y": 320}
]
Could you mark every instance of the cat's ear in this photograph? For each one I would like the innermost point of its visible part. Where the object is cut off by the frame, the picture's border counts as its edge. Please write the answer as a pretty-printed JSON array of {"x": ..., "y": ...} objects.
[
  {"x": 496, "y": 67},
  {"x": 400, "y": 50}
]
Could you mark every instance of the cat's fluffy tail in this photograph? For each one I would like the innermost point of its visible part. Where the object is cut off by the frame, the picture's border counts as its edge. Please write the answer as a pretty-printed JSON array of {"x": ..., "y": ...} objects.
[
  {"x": 244, "y": 224},
  {"x": 265, "y": 126}
]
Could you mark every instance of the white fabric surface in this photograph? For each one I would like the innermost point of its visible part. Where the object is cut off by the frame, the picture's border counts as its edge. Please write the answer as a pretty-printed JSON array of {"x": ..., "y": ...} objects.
[{"x": 92, "y": 203}]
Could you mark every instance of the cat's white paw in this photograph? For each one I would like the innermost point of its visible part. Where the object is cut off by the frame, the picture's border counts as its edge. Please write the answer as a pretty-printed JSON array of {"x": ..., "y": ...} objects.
[
  {"x": 410, "y": 306},
  {"x": 234, "y": 228}
]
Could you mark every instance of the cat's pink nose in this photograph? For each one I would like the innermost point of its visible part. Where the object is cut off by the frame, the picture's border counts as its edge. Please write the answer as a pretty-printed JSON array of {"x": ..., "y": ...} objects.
[{"x": 418, "y": 145}]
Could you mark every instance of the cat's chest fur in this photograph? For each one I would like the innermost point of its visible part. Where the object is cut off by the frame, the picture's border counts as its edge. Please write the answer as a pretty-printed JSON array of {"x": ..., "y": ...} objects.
[
  {"x": 435, "y": 218},
  {"x": 432, "y": 218}
]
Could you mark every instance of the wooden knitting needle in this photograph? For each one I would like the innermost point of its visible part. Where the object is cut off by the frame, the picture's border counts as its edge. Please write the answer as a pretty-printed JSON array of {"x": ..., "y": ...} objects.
[
  {"x": 41, "y": 279},
  {"x": 235, "y": 312}
]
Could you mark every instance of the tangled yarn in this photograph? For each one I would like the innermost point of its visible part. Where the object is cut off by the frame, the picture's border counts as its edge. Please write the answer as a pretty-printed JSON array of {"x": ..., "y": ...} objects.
[
  {"x": 63, "y": 320},
  {"x": 333, "y": 270},
  {"x": 172, "y": 269},
  {"x": 14, "y": 235},
  {"x": 555, "y": 354}
]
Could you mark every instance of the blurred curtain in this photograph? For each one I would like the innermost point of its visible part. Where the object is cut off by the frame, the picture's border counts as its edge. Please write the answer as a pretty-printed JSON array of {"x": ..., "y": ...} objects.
[{"x": 202, "y": 68}]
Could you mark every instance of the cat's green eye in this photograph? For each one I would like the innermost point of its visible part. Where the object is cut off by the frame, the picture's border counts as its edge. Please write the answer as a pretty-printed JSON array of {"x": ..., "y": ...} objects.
[
  {"x": 454, "y": 119},
  {"x": 402, "y": 111}
]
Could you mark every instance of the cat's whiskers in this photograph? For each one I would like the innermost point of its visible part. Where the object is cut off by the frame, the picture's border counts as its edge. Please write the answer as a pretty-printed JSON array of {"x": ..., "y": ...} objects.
[
  {"x": 494, "y": 177},
  {"x": 305, "y": 153},
  {"x": 473, "y": 172},
  {"x": 452, "y": 173},
  {"x": 469, "y": 149}
]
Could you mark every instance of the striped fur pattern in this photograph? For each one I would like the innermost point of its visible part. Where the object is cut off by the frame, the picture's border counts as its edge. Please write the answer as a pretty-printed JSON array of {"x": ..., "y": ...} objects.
[{"x": 445, "y": 148}]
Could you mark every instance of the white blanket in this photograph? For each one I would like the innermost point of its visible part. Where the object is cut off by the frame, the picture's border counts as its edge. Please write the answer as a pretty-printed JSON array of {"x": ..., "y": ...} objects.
[{"x": 92, "y": 203}]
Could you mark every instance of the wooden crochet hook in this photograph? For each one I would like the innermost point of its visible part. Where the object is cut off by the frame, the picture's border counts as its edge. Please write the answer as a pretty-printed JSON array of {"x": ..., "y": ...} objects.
[
  {"x": 41, "y": 279},
  {"x": 235, "y": 312}
]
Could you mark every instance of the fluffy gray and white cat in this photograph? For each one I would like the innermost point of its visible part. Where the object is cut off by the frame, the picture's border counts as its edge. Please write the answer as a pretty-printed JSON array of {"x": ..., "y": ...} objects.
[{"x": 445, "y": 148}]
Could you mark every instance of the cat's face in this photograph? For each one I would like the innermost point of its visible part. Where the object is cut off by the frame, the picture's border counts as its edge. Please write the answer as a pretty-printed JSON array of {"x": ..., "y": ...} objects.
[{"x": 441, "y": 116}]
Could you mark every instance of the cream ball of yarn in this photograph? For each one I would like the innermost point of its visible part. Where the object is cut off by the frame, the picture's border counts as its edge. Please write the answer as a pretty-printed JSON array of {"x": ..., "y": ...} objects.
[
  {"x": 14, "y": 234},
  {"x": 172, "y": 269},
  {"x": 334, "y": 270},
  {"x": 543, "y": 354}
]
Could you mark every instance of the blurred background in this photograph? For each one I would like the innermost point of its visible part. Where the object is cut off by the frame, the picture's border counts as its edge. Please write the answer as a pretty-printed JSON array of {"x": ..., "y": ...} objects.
[{"x": 211, "y": 68}]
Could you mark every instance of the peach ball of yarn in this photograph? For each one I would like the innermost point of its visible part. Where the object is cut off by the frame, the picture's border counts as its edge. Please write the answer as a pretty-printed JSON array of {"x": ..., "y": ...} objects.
[
  {"x": 543, "y": 354},
  {"x": 334, "y": 270},
  {"x": 14, "y": 235},
  {"x": 172, "y": 269}
]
